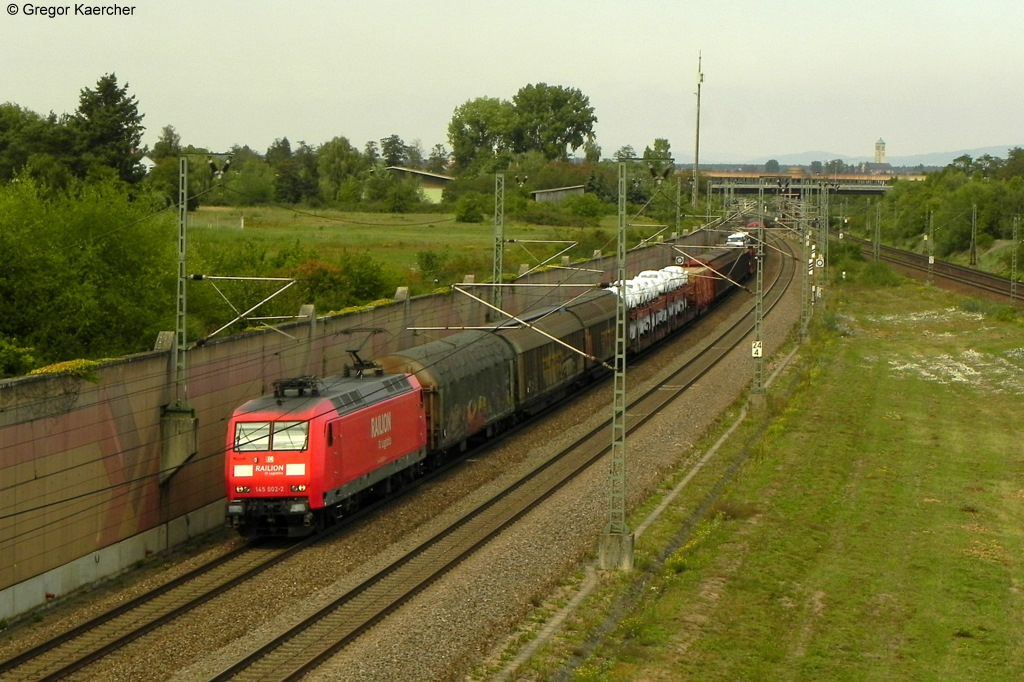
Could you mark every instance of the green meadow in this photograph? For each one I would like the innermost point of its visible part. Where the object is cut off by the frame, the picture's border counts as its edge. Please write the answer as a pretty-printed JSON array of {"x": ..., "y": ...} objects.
[
  {"x": 398, "y": 242},
  {"x": 874, "y": 530},
  {"x": 394, "y": 239}
]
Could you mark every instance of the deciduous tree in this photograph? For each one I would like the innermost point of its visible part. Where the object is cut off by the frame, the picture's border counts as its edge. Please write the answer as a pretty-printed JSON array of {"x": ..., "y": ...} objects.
[
  {"x": 552, "y": 119},
  {"x": 169, "y": 144},
  {"x": 43, "y": 144},
  {"x": 87, "y": 273},
  {"x": 438, "y": 160},
  {"x": 479, "y": 133},
  {"x": 338, "y": 161}
]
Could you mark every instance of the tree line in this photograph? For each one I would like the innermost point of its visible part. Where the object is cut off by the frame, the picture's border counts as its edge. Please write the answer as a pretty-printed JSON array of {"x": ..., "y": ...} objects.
[
  {"x": 88, "y": 232},
  {"x": 970, "y": 200}
]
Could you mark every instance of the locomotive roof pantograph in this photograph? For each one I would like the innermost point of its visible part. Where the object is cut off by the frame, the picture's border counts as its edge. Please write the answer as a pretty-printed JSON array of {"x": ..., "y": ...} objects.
[{"x": 345, "y": 394}]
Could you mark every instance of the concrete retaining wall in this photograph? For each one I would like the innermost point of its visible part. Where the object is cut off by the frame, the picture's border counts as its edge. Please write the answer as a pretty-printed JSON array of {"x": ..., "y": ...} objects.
[{"x": 81, "y": 496}]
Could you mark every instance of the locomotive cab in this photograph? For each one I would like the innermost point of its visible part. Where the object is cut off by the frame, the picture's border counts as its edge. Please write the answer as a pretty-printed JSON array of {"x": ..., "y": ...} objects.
[
  {"x": 298, "y": 458},
  {"x": 269, "y": 460}
]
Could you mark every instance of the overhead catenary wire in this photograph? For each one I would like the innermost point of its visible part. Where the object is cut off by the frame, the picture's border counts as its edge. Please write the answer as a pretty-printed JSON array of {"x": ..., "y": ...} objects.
[
  {"x": 142, "y": 479},
  {"x": 155, "y": 475}
]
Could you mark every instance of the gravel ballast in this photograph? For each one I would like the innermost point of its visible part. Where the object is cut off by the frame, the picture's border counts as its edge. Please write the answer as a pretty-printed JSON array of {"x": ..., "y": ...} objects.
[{"x": 461, "y": 619}]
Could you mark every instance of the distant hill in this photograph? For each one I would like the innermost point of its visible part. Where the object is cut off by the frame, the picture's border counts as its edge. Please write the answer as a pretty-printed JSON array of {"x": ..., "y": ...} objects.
[{"x": 939, "y": 159}]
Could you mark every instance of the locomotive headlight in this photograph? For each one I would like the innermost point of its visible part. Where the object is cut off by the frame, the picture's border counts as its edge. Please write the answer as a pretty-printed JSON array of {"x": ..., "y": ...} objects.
[
  {"x": 241, "y": 488},
  {"x": 298, "y": 507},
  {"x": 299, "y": 488}
]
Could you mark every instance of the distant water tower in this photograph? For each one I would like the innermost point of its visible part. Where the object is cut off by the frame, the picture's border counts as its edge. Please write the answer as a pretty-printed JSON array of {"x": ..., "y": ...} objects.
[{"x": 880, "y": 151}]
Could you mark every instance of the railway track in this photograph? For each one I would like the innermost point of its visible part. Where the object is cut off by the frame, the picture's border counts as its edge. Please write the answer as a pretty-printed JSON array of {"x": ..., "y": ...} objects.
[
  {"x": 76, "y": 649},
  {"x": 982, "y": 283},
  {"x": 80, "y": 646},
  {"x": 312, "y": 641}
]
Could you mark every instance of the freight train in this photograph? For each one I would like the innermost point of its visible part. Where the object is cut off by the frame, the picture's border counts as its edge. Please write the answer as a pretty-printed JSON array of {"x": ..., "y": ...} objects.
[{"x": 300, "y": 458}]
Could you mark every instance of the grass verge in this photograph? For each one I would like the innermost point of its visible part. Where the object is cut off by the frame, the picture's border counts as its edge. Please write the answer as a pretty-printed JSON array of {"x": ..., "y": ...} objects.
[{"x": 874, "y": 532}]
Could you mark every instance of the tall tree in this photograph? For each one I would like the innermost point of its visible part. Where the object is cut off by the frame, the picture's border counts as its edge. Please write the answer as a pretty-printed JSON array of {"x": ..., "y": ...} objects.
[
  {"x": 438, "y": 160},
  {"x": 337, "y": 162},
  {"x": 552, "y": 119},
  {"x": 626, "y": 152},
  {"x": 280, "y": 150},
  {"x": 1014, "y": 165},
  {"x": 18, "y": 128},
  {"x": 479, "y": 132},
  {"x": 297, "y": 175},
  {"x": 394, "y": 151},
  {"x": 109, "y": 129},
  {"x": 371, "y": 152},
  {"x": 592, "y": 150},
  {"x": 169, "y": 144},
  {"x": 659, "y": 157},
  {"x": 414, "y": 155}
]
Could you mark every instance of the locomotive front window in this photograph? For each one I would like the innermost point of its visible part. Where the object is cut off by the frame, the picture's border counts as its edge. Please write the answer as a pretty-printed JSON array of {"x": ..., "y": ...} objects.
[
  {"x": 252, "y": 436},
  {"x": 290, "y": 435}
]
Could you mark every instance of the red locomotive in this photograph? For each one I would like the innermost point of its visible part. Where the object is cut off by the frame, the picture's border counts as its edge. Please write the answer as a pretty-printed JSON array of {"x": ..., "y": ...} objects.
[
  {"x": 300, "y": 457},
  {"x": 297, "y": 458}
]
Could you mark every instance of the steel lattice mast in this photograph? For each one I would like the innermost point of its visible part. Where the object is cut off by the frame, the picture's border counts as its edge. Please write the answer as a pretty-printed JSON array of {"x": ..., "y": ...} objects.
[
  {"x": 498, "y": 270},
  {"x": 616, "y": 550},
  {"x": 756, "y": 348},
  {"x": 180, "y": 389}
]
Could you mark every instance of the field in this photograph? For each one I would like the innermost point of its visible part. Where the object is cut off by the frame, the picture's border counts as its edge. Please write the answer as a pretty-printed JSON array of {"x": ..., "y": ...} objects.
[
  {"x": 394, "y": 239},
  {"x": 873, "y": 532},
  {"x": 397, "y": 241}
]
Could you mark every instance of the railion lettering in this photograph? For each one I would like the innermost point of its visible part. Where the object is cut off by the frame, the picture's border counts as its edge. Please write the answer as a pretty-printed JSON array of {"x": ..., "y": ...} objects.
[{"x": 380, "y": 424}]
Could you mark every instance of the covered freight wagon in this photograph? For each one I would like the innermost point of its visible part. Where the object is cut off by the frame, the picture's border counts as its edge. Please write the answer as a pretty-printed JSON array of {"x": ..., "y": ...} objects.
[{"x": 466, "y": 380}]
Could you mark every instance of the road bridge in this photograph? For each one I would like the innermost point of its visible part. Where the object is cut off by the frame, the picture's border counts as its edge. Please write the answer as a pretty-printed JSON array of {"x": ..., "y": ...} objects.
[{"x": 794, "y": 186}]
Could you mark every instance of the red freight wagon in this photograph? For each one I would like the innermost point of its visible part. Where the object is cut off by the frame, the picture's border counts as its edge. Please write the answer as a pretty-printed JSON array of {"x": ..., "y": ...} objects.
[{"x": 299, "y": 456}]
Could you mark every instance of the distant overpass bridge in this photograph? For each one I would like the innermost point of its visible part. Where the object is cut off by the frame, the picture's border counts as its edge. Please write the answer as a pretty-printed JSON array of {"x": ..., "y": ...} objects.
[{"x": 795, "y": 186}]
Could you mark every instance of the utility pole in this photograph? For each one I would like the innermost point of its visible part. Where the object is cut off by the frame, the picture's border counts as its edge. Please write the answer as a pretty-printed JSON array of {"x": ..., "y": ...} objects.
[
  {"x": 499, "y": 238},
  {"x": 804, "y": 230},
  {"x": 876, "y": 233},
  {"x": 1013, "y": 261},
  {"x": 757, "y": 346},
  {"x": 931, "y": 244},
  {"x": 878, "y": 230},
  {"x": 696, "y": 151},
  {"x": 180, "y": 389},
  {"x": 679, "y": 199},
  {"x": 616, "y": 544},
  {"x": 974, "y": 234},
  {"x": 178, "y": 424}
]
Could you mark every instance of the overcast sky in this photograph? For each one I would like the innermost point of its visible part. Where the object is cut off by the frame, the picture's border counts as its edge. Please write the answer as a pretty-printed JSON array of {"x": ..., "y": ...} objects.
[{"x": 780, "y": 76}]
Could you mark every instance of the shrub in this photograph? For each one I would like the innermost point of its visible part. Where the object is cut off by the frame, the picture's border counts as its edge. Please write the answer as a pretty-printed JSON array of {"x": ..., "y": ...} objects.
[
  {"x": 15, "y": 360},
  {"x": 545, "y": 214},
  {"x": 585, "y": 206},
  {"x": 470, "y": 208}
]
